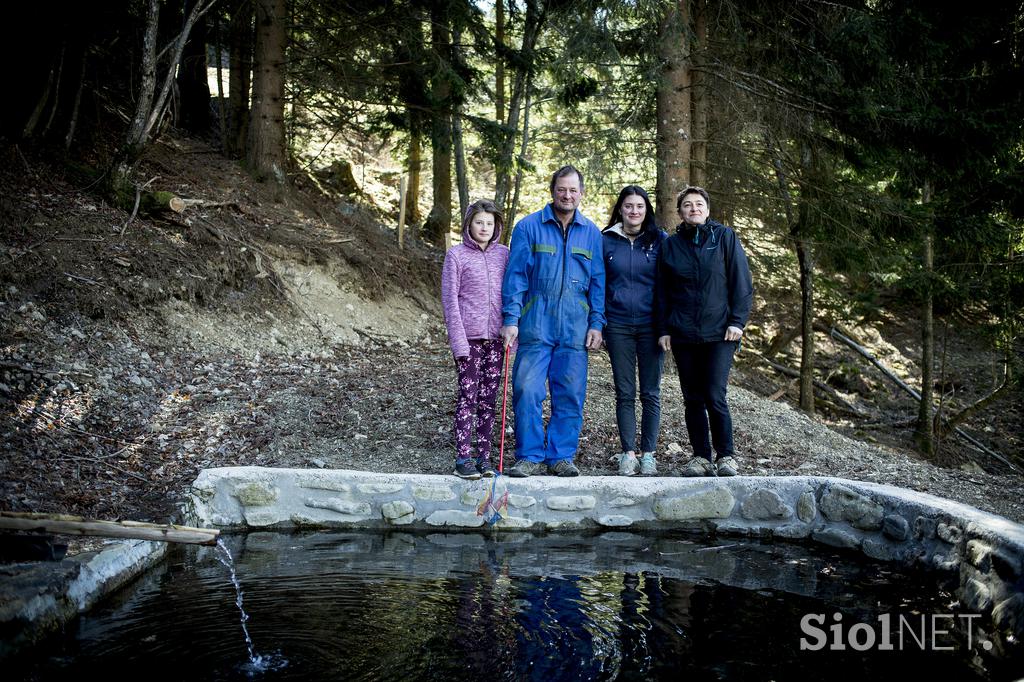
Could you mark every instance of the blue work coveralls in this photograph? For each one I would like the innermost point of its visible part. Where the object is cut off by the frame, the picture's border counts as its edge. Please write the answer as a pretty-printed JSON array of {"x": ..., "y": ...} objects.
[{"x": 554, "y": 292}]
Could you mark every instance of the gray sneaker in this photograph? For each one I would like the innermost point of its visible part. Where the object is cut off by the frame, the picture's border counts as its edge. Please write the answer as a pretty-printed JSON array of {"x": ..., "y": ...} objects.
[
  {"x": 564, "y": 468},
  {"x": 728, "y": 466},
  {"x": 523, "y": 468},
  {"x": 628, "y": 464},
  {"x": 698, "y": 466},
  {"x": 648, "y": 466}
]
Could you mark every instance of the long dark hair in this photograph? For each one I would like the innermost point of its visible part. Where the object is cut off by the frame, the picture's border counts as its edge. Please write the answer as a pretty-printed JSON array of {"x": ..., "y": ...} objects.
[{"x": 629, "y": 191}]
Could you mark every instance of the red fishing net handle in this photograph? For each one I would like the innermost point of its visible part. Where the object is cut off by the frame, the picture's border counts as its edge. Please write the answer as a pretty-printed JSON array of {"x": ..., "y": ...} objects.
[{"x": 504, "y": 405}]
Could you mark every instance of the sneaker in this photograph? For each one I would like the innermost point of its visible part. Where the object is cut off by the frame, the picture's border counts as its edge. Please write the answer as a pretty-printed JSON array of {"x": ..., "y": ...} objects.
[
  {"x": 485, "y": 468},
  {"x": 728, "y": 466},
  {"x": 466, "y": 469},
  {"x": 628, "y": 464},
  {"x": 698, "y": 466},
  {"x": 648, "y": 467},
  {"x": 563, "y": 468},
  {"x": 523, "y": 468}
]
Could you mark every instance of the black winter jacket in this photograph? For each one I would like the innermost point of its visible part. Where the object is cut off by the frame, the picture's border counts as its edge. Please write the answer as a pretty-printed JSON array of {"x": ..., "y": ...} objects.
[
  {"x": 630, "y": 275},
  {"x": 704, "y": 283}
]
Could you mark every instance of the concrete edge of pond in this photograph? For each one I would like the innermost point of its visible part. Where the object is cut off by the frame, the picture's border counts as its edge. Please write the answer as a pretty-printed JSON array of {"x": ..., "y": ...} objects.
[
  {"x": 39, "y": 598},
  {"x": 883, "y": 523}
]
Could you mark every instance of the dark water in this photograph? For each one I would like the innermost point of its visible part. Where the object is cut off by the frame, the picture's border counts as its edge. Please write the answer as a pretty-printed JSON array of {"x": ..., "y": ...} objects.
[{"x": 346, "y": 606}]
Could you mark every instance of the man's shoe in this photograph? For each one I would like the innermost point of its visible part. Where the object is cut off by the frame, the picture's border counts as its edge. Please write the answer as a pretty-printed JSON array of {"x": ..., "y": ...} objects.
[
  {"x": 728, "y": 466},
  {"x": 563, "y": 468},
  {"x": 628, "y": 464},
  {"x": 466, "y": 469},
  {"x": 698, "y": 466},
  {"x": 648, "y": 467},
  {"x": 523, "y": 468},
  {"x": 485, "y": 468}
]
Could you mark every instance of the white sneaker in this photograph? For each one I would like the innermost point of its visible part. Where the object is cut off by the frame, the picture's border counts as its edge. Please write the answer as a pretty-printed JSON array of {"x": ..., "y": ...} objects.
[{"x": 628, "y": 464}]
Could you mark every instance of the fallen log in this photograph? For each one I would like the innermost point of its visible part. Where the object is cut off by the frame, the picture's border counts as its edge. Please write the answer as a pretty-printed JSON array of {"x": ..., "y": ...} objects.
[
  {"x": 61, "y": 524},
  {"x": 156, "y": 202},
  {"x": 839, "y": 402},
  {"x": 839, "y": 336}
]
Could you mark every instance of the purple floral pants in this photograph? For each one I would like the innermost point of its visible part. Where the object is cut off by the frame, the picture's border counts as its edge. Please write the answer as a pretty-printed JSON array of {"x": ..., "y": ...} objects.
[{"x": 479, "y": 376}]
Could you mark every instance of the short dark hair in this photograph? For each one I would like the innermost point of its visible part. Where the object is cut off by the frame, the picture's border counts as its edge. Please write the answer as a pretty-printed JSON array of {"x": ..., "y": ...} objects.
[
  {"x": 692, "y": 190},
  {"x": 562, "y": 172},
  {"x": 629, "y": 191}
]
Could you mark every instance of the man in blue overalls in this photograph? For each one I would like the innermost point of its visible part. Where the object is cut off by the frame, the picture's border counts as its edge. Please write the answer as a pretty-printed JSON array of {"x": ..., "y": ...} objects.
[{"x": 553, "y": 303}]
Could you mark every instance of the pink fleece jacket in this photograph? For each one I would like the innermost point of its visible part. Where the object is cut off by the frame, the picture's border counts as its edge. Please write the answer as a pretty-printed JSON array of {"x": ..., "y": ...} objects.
[{"x": 471, "y": 291}]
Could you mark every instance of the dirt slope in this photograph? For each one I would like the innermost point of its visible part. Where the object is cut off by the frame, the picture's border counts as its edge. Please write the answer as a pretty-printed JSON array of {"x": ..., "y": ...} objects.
[{"x": 285, "y": 331}]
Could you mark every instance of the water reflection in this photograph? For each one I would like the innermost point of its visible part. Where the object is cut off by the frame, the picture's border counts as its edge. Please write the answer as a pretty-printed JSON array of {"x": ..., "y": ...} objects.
[{"x": 342, "y": 606}]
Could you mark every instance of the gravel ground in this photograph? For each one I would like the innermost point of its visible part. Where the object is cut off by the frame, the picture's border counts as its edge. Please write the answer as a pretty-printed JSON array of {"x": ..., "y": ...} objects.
[{"x": 113, "y": 422}]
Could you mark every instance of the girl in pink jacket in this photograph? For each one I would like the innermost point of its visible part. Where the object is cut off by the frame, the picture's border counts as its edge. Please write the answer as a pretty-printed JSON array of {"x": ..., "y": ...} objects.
[{"x": 471, "y": 298}]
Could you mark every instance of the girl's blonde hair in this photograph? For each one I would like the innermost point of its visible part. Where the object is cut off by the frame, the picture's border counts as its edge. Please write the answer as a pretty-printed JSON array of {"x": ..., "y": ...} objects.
[{"x": 484, "y": 206}]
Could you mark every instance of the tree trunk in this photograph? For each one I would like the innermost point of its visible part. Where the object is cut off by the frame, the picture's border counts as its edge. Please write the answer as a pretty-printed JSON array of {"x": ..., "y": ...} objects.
[
  {"x": 698, "y": 78},
  {"x": 499, "y": 60},
  {"x": 222, "y": 113},
  {"x": 461, "y": 178},
  {"x": 673, "y": 110},
  {"x": 798, "y": 231},
  {"x": 240, "y": 44},
  {"x": 266, "y": 151},
  {"x": 124, "y": 161},
  {"x": 510, "y": 218},
  {"x": 805, "y": 257},
  {"x": 76, "y": 106},
  {"x": 925, "y": 433},
  {"x": 535, "y": 13},
  {"x": 415, "y": 168},
  {"x": 438, "y": 223},
  {"x": 147, "y": 112},
  {"x": 193, "y": 85}
]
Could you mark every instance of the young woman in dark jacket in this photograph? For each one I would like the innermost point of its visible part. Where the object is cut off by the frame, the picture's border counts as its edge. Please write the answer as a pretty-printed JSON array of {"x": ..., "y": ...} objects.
[
  {"x": 705, "y": 295},
  {"x": 631, "y": 245}
]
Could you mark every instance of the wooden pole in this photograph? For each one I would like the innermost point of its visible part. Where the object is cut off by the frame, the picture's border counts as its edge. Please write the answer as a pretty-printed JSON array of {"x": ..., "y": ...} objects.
[
  {"x": 75, "y": 525},
  {"x": 401, "y": 212}
]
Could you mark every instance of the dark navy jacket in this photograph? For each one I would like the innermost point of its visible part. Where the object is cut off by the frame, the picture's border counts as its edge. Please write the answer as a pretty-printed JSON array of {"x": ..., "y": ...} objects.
[
  {"x": 705, "y": 284},
  {"x": 631, "y": 270}
]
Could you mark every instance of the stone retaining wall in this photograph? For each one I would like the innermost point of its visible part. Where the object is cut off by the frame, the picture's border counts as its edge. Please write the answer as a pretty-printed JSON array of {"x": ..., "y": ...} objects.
[{"x": 884, "y": 523}]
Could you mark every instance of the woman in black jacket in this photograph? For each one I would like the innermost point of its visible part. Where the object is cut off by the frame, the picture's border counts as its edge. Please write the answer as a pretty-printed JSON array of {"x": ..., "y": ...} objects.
[
  {"x": 704, "y": 300},
  {"x": 631, "y": 245}
]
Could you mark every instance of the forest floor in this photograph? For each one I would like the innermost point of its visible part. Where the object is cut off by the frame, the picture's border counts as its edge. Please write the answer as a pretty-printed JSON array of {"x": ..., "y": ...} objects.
[{"x": 286, "y": 329}]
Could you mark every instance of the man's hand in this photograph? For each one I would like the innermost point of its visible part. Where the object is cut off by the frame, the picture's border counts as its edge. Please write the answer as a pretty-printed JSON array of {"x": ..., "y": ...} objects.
[
  {"x": 509, "y": 335},
  {"x": 594, "y": 340},
  {"x": 665, "y": 342},
  {"x": 733, "y": 334}
]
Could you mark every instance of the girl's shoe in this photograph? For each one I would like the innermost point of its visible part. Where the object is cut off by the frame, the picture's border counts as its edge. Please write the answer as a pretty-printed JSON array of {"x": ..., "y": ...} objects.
[
  {"x": 485, "y": 468},
  {"x": 648, "y": 467},
  {"x": 466, "y": 469}
]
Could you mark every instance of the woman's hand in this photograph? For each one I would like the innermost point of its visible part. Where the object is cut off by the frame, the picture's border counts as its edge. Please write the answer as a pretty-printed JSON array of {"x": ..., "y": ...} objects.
[
  {"x": 733, "y": 334},
  {"x": 665, "y": 342}
]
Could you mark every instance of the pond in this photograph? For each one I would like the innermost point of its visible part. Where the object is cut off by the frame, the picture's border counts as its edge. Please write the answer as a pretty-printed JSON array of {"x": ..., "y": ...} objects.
[{"x": 460, "y": 606}]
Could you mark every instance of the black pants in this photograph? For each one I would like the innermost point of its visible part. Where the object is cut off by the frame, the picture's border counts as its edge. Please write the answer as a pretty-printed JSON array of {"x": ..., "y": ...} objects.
[
  {"x": 704, "y": 376},
  {"x": 631, "y": 348}
]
